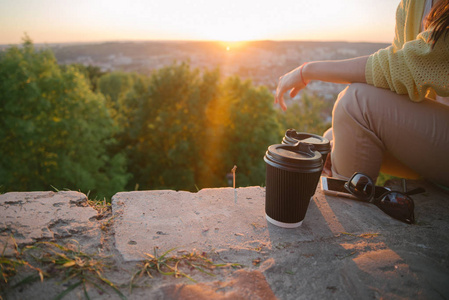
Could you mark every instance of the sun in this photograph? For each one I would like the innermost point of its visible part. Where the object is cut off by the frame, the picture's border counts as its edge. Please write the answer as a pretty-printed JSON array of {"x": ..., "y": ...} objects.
[{"x": 231, "y": 46}]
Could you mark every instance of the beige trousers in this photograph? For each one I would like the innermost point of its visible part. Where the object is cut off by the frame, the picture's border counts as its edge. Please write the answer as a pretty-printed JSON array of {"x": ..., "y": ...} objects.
[{"x": 375, "y": 129}]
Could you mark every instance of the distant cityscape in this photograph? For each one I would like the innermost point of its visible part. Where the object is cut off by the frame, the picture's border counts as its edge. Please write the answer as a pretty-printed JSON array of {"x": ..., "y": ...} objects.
[{"x": 261, "y": 61}]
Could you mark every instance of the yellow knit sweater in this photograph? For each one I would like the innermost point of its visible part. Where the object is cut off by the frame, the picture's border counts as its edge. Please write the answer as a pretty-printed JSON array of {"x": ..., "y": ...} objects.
[{"x": 409, "y": 65}]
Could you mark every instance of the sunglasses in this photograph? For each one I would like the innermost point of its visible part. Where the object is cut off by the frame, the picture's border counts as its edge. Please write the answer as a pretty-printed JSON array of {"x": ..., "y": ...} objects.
[{"x": 397, "y": 205}]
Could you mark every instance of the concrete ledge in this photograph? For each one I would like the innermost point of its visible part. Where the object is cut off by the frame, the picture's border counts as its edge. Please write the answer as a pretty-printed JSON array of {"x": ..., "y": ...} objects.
[
  {"x": 210, "y": 220},
  {"x": 36, "y": 216},
  {"x": 344, "y": 249}
]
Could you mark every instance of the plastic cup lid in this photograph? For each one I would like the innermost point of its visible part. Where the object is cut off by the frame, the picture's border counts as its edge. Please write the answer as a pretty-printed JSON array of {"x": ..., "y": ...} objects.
[
  {"x": 320, "y": 143},
  {"x": 295, "y": 158}
]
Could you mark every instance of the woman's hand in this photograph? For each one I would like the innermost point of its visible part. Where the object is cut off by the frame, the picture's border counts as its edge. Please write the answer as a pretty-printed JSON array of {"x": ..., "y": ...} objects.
[
  {"x": 337, "y": 71},
  {"x": 293, "y": 82}
]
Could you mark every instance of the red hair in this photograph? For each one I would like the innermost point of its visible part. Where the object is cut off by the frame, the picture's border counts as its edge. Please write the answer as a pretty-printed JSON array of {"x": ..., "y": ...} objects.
[{"x": 438, "y": 20}]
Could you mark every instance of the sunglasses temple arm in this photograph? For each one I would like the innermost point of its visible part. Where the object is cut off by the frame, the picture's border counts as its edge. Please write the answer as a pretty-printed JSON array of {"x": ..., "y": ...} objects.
[{"x": 415, "y": 191}]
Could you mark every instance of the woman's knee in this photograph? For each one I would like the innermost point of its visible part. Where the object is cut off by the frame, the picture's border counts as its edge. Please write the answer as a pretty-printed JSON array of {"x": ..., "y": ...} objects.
[
  {"x": 356, "y": 146},
  {"x": 348, "y": 103}
]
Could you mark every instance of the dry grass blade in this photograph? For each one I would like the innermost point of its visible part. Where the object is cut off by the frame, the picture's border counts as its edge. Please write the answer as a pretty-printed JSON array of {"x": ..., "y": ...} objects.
[
  {"x": 9, "y": 266},
  {"x": 363, "y": 235},
  {"x": 101, "y": 206},
  {"x": 172, "y": 265},
  {"x": 75, "y": 264}
]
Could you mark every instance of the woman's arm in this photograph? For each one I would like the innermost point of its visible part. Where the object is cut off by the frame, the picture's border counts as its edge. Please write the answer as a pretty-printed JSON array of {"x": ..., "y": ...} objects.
[
  {"x": 338, "y": 71},
  {"x": 416, "y": 69}
]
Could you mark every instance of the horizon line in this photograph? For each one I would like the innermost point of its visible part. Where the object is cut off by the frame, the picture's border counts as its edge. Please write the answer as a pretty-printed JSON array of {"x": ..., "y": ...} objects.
[{"x": 194, "y": 40}]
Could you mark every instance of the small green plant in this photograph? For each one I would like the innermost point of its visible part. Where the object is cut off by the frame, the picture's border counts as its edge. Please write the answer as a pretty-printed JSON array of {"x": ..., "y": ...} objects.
[
  {"x": 55, "y": 188},
  {"x": 74, "y": 264},
  {"x": 101, "y": 206},
  {"x": 172, "y": 265}
]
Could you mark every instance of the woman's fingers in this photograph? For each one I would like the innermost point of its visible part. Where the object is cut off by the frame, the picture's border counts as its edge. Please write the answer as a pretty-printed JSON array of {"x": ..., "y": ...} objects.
[
  {"x": 279, "y": 98},
  {"x": 282, "y": 104},
  {"x": 276, "y": 97},
  {"x": 294, "y": 92},
  {"x": 289, "y": 82}
]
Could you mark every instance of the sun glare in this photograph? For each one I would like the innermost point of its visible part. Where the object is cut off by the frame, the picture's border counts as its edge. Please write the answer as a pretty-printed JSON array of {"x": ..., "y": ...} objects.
[{"x": 230, "y": 46}]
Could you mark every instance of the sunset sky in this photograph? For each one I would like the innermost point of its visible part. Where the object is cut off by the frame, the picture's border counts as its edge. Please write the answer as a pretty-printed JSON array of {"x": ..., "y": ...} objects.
[{"x": 52, "y": 21}]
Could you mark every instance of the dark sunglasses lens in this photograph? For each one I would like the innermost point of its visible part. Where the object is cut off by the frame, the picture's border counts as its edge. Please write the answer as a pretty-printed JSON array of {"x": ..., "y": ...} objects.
[
  {"x": 398, "y": 206},
  {"x": 361, "y": 186}
]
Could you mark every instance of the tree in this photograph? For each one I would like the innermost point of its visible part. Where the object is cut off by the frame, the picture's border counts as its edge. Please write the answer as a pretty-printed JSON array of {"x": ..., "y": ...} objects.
[
  {"x": 123, "y": 93},
  {"x": 92, "y": 73},
  {"x": 308, "y": 114},
  {"x": 191, "y": 128},
  {"x": 170, "y": 130},
  {"x": 251, "y": 128},
  {"x": 181, "y": 128},
  {"x": 53, "y": 129}
]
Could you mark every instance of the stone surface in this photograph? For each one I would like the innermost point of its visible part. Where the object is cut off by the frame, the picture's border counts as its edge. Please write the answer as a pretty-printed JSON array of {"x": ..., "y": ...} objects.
[
  {"x": 36, "y": 216},
  {"x": 345, "y": 249},
  {"x": 242, "y": 285},
  {"x": 212, "y": 219}
]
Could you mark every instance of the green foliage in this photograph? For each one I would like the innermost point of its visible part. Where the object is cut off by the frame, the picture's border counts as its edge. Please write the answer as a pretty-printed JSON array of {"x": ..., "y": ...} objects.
[
  {"x": 123, "y": 93},
  {"x": 251, "y": 129},
  {"x": 92, "y": 73},
  {"x": 190, "y": 129},
  {"x": 53, "y": 129},
  {"x": 307, "y": 115},
  {"x": 168, "y": 133},
  {"x": 180, "y": 128}
]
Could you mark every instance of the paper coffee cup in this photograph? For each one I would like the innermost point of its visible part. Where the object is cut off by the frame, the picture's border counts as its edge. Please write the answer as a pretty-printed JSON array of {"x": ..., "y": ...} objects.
[{"x": 292, "y": 175}]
